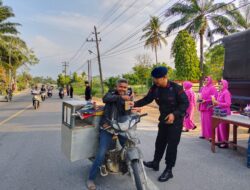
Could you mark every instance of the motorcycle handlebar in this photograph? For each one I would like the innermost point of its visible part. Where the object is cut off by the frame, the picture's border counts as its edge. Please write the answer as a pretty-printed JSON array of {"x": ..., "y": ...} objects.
[{"x": 143, "y": 115}]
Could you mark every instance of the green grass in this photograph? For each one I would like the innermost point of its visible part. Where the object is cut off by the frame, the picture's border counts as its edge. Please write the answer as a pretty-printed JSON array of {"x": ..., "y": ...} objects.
[{"x": 79, "y": 89}]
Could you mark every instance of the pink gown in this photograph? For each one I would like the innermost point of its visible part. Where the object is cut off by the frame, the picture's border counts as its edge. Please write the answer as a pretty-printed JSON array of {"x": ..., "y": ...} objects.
[
  {"x": 188, "y": 120},
  {"x": 206, "y": 108},
  {"x": 224, "y": 100}
]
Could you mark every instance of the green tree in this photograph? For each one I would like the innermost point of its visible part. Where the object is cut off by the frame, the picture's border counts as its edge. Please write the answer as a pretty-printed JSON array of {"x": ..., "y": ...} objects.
[
  {"x": 142, "y": 69},
  {"x": 42, "y": 80},
  {"x": 242, "y": 17},
  {"x": 76, "y": 78},
  {"x": 171, "y": 71},
  {"x": 13, "y": 51},
  {"x": 202, "y": 18},
  {"x": 131, "y": 77},
  {"x": 63, "y": 80},
  {"x": 111, "y": 82},
  {"x": 185, "y": 56},
  {"x": 23, "y": 80},
  {"x": 214, "y": 60},
  {"x": 84, "y": 76},
  {"x": 154, "y": 35}
]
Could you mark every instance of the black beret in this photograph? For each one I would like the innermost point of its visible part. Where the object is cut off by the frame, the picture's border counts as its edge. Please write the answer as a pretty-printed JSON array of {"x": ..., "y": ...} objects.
[{"x": 159, "y": 72}]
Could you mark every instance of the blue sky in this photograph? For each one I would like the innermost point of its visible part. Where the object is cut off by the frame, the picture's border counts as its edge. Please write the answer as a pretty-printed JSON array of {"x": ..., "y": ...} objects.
[{"x": 55, "y": 29}]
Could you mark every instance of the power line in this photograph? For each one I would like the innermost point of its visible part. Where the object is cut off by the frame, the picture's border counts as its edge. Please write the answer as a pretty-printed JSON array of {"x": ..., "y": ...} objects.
[
  {"x": 122, "y": 13},
  {"x": 132, "y": 47},
  {"x": 127, "y": 38},
  {"x": 78, "y": 51},
  {"x": 139, "y": 30},
  {"x": 110, "y": 13},
  {"x": 82, "y": 55},
  {"x": 136, "y": 32},
  {"x": 132, "y": 16}
]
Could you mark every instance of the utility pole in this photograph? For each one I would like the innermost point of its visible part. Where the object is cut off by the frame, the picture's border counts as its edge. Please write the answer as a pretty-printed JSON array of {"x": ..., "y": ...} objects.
[
  {"x": 65, "y": 66},
  {"x": 98, "y": 54}
]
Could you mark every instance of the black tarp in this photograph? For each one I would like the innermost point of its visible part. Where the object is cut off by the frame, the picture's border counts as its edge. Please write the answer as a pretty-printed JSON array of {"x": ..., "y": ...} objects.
[{"x": 237, "y": 56}]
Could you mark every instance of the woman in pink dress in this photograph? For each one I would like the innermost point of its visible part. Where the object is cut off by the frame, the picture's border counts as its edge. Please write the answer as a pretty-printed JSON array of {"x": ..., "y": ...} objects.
[
  {"x": 188, "y": 120},
  {"x": 224, "y": 102},
  {"x": 206, "y": 107}
]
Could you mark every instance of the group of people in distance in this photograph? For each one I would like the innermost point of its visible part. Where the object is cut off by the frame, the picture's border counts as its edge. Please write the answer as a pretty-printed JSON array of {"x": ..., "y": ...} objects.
[{"x": 208, "y": 97}]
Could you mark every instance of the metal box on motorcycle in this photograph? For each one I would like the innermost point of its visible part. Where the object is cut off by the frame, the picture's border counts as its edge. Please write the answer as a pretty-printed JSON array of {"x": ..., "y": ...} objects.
[{"x": 79, "y": 138}]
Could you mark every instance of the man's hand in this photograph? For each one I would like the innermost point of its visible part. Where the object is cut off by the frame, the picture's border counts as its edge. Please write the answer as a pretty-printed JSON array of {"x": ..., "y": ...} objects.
[
  {"x": 170, "y": 118},
  {"x": 126, "y": 97},
  {"x": 105, "y": 126},
  {"x": 131, "y": 104}
]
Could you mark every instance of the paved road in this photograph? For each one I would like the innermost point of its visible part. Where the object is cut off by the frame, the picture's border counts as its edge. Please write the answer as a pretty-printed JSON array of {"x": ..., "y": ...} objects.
[{"x": 31, "y": 159}]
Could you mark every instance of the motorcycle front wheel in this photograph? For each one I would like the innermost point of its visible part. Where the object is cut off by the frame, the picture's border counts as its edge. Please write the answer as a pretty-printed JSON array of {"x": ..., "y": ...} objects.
[
  {"x": 36, "y": 105},
  {"x": 138, "y": 175}
]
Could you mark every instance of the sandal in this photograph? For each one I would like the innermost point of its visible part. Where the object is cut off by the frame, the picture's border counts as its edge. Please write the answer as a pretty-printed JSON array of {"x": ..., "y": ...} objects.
[
  {"x": 223, "y": 145},
  {"x": 91, "y": 185}
]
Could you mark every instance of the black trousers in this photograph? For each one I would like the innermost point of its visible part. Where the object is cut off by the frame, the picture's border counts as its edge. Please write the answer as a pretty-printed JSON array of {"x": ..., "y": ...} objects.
[{"x": 168, "y": 139}]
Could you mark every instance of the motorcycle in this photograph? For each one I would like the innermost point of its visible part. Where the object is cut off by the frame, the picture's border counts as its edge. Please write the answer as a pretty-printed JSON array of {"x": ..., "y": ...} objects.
[
  {"x": 129, "y": 158},
  {"x": 43, "y": 95},
  {"x": 61, "y": 94},
  {"x": 9, "y": 95},
  {"x": 36, "y": 101},
  {"x": 49, "y": 93}
]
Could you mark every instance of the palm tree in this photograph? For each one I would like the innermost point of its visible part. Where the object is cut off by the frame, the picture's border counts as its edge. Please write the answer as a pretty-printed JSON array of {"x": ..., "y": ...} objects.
[
  {"x": 202, "y": 18},
  {"x": 245, "y": 13},
  {"x": 242, "y": 17},
  {"x": 154, "y": 35},
  {"x": 7, "y": 34}
]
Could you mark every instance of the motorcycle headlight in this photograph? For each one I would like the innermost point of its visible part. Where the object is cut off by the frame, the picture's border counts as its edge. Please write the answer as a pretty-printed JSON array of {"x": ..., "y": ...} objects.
[{"x": 121, "y": 126}]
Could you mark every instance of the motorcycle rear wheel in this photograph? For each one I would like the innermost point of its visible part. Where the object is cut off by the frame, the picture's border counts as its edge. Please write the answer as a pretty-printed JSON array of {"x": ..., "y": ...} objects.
[{"x": 138, "y": 175}]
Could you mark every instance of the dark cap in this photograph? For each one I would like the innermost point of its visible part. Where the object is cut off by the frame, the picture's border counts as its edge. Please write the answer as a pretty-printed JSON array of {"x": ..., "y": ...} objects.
[{"x": 159, "y": 72}]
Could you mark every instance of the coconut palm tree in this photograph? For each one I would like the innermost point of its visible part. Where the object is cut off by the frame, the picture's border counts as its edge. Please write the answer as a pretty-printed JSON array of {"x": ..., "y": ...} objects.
[
  {"x": 154, "y": 35},
  {"x": 13, "y": 50},
  {"x": 202, "y": 18},
  {"x": 245, "y": 12},
  {"x": 242, "y": 17},
  {"x": 8, "y": 31}
]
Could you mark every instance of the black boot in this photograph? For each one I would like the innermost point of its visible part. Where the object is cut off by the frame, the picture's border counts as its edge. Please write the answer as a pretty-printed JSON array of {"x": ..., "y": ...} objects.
[
  {"x": 154, "y": 165},
  {"x": 166, "y": 175}
]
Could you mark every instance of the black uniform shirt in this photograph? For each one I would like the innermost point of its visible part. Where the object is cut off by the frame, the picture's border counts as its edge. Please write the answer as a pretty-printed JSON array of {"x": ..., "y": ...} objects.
[
  {"x": 87, "y": 93},
  {"x": 114, "y": 107},
  {"x": 171, "y": 99}
]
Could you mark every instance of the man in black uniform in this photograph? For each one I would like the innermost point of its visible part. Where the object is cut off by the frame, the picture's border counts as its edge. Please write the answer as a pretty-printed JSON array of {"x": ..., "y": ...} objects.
[
  {"x": 173, "y": 103},
  {"x": 87, "y": 91}
]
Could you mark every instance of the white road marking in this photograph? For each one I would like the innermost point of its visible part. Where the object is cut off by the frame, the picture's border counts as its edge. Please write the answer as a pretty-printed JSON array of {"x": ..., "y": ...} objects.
[{"x": 15, "y": 115}]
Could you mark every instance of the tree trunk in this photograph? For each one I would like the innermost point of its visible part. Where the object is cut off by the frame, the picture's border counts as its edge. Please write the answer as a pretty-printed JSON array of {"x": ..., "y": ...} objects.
[
  {"x": 156, "y": 58},
  {"x": 201, "y": 61}
]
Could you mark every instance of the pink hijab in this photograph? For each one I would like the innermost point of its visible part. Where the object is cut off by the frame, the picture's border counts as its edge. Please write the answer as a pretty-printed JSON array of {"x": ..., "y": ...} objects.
[
  {"x": 224, "y": 97},
  {"x": 225, "y": 85},
  {"x": 189, "y": 92},
  {"x": 210, "y": 81},
  {"x": 187, "y": 85},
  {"x": 206, "y": 92}
]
